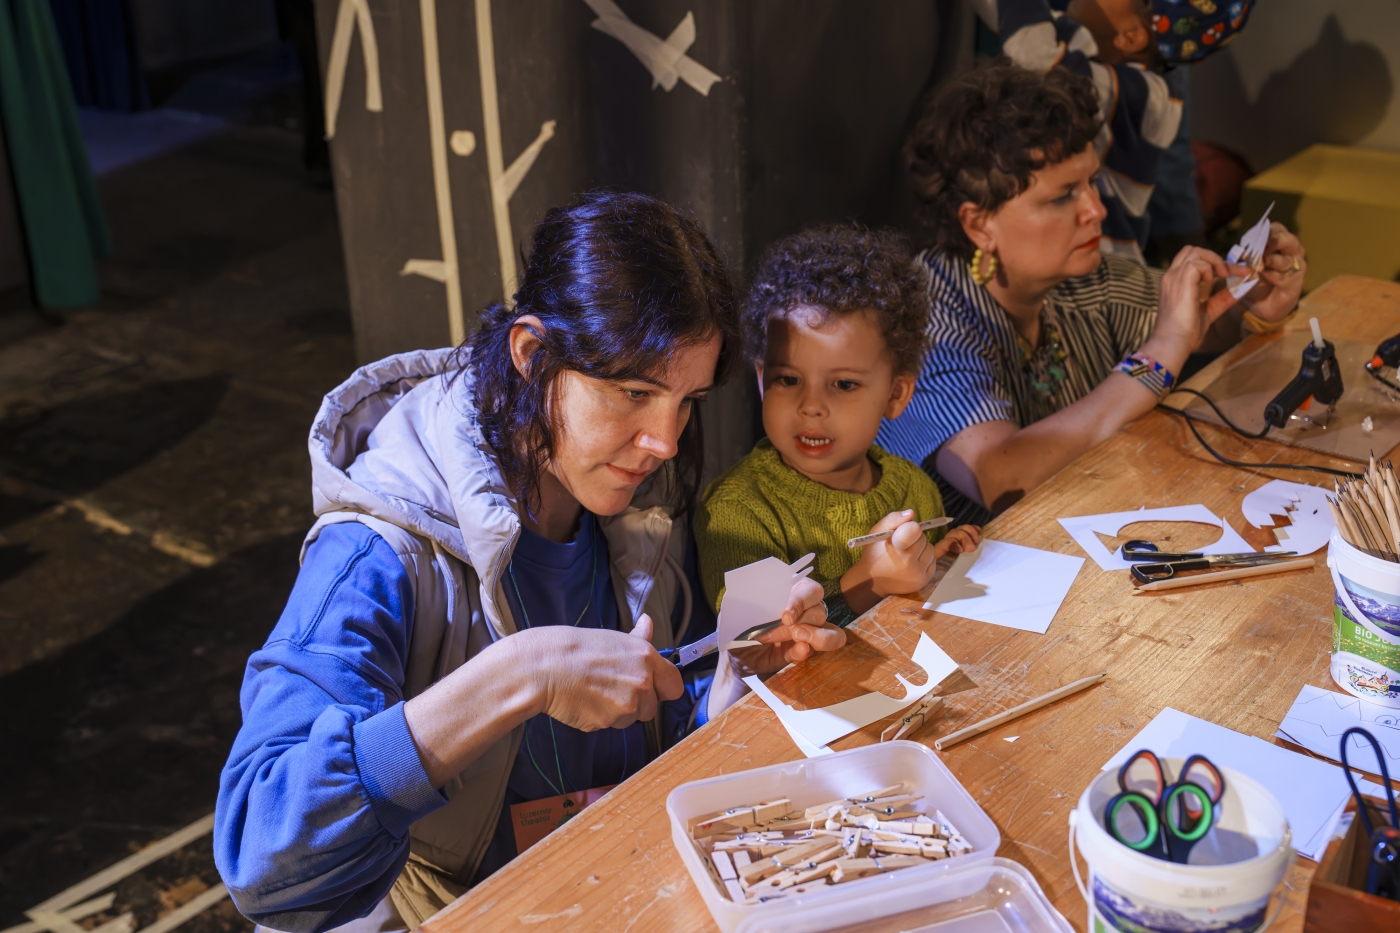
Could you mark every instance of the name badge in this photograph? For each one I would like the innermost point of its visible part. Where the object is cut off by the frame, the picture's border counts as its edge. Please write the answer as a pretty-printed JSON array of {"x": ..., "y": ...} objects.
[{"x": 535, "y": 819}]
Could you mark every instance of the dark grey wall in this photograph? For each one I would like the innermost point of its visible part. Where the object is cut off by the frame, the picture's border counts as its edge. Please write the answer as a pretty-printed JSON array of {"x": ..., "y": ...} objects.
[
  {"x": 14, "y": 264},
  {"x": 805, "y": 127}
]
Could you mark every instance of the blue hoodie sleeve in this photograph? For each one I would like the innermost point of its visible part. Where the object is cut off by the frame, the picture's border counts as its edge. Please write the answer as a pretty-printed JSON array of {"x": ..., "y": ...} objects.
[{"x": 324, "y": 779}]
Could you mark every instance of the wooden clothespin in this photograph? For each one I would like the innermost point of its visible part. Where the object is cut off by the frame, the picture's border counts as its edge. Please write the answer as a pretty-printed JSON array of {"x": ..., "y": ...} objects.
[{"x": 916, "y": 718}]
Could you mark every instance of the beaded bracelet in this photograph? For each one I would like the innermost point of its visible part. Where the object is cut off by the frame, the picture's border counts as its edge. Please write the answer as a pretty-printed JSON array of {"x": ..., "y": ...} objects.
[{"x": 1147, "y": 371}]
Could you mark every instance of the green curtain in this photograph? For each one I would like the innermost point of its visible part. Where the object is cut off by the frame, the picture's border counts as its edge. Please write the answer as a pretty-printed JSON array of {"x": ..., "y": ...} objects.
[{"x": 65, "y": 231}]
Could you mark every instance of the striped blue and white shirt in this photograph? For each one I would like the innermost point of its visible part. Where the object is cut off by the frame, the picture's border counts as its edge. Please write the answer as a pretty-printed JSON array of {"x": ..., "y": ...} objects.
[{"x": 974, "y": 371}]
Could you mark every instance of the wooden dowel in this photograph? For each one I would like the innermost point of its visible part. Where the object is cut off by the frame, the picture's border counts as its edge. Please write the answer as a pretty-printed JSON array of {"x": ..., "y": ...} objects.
[
  {"x": 1017, "y": 711},
  {"x": 1233, "y": 573}
]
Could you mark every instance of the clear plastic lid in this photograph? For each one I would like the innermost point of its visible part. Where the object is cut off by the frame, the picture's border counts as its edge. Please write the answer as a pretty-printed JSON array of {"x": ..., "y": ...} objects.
[{"x": 992, "y": 896}]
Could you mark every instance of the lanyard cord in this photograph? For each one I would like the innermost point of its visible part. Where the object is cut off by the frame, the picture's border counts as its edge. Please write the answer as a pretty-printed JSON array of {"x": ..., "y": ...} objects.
[{"x": 558, "y": 762}]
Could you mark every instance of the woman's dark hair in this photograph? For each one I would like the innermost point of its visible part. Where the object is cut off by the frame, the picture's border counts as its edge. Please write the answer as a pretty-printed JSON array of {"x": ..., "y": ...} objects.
[
  {"x": 840, "y": 269},
  {"x": 621, "y": 283},
  {"x": 985, "y": 132}
]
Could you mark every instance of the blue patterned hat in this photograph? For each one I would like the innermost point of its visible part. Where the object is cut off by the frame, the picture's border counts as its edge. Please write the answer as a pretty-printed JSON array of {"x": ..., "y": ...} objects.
[{"x": 1189, "y": 30}]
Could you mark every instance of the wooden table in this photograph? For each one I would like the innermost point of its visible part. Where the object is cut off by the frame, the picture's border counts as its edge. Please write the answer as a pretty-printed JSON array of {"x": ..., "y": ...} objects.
[{"x": 1234, "y": 653}]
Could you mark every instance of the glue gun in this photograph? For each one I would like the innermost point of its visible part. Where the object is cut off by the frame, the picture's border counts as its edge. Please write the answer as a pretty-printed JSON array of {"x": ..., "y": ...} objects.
[
  {"x": 1318, "y": 378},
  {"x": 1387, "y": 354}
]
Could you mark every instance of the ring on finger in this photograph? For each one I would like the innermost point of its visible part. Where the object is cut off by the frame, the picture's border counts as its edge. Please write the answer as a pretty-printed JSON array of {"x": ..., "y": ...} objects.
[{"x": 1296, "y": 265}]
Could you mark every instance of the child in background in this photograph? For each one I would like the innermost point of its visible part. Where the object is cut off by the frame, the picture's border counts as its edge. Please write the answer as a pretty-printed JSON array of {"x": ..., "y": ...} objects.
[
  {"x": 1121, "y": 45},
  {"x": 836, "y": 324}
]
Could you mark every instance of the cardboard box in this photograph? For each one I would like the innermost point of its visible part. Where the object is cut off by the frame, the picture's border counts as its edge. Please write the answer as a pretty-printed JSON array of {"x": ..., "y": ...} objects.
[{"x": 1343, "y": 203}]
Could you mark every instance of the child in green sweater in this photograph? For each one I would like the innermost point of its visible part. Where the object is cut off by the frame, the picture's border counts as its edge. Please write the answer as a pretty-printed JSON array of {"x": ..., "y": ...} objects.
[{"x": 836, "y": 325}]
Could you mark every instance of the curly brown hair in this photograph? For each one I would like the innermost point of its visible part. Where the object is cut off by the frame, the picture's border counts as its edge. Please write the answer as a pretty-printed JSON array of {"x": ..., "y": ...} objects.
[
  {"x": 840, "y": 269},
  {"x": 983, "y": 135}
]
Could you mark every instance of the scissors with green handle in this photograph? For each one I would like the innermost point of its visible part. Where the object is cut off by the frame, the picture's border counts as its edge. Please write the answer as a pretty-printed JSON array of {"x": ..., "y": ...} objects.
[{"x": 1159, "y": 819}]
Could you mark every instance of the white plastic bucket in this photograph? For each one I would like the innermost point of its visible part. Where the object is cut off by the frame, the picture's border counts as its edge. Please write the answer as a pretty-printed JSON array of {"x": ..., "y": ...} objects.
[
  {"x": 1365, "y": 623},
  {"x": 1225, "y": 888}
]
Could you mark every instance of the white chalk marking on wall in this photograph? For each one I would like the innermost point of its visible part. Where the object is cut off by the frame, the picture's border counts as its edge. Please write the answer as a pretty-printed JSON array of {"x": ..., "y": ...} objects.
[
  {"x": 352, "y": 13},
  {"x": 439, "y": 270},
  {"x": 666, "y": 60},
  {"x": 58, "y": 913},
  {"x": 504, "y": 181},
  {"x": 463, "y": 142}
]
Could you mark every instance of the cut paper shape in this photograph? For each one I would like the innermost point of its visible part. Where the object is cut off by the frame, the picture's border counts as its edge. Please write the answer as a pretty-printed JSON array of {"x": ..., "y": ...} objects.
[
  {"x": 1011, "y": 738},
  {"x": 804, "y": 746},
  {"x": 1318, "y": 718},
  {"x": 1303, "y": 505},
  {"x": 1249, "y": 252},
  {"x": 826, "y": 724},
  {"x": 1085, "y": 530},
  {"x": 757, "y": 594},
  {"x": 666, "y": 60},
  {"x": 352, "y": 14},
  {"x": 1311, "y": 792},
  {"x": 1007, "y": 584}
]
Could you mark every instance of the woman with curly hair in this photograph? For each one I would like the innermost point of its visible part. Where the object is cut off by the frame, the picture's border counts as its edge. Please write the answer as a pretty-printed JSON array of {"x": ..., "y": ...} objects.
[
  {"x": 836, "y": 325},
  {"x": 1042, "y": 346},
  {"x": 501, "y": 547}
]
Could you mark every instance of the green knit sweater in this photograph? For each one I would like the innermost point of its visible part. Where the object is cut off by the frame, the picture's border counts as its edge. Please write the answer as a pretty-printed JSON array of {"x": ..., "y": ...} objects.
[{"x": 761, "y": 507}]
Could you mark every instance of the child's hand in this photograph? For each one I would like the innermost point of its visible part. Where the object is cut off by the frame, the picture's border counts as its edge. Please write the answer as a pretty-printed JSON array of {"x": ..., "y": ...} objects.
[
  {"x": 959, "y": 540},
  {"x": 902, "y": 563}
]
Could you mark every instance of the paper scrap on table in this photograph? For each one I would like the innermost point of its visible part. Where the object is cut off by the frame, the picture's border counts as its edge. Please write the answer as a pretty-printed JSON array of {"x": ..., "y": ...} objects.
[
  {"x": 1085, "y": 530},
  {"x": 1312, "y": 793},
  {"x": 1011, "y": 738},
  {"x": 1303, "y": 505},
  {"x": 756, "y": 594},
  {"x": 826, "y": 724},
  {"x": 1249, "y": 252},
  {"x": 1006, "y": 584},
  {"x": 1318, "y": 718}
]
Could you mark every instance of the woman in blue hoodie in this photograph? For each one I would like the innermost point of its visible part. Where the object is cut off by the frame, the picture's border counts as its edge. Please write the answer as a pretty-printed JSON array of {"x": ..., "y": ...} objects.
[{"x": 501, "y": 547}]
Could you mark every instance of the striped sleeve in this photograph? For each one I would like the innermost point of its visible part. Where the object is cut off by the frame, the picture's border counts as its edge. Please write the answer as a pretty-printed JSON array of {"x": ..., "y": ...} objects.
[{"x": 958, "y": 386}]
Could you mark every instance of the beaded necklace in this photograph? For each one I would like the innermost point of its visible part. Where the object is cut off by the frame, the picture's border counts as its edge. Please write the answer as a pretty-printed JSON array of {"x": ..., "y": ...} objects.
[{"x": 1047, "y": 367}]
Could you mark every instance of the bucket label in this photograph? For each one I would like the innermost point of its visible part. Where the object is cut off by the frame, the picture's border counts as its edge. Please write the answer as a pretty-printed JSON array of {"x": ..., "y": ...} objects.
[
  {"x": 1115, "y": 912},
  {"x": 1353, "y": 645}
]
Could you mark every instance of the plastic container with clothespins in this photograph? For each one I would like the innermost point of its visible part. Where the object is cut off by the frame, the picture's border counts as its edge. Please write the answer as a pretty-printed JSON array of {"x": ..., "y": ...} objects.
[{"x": 813, "y": 781}]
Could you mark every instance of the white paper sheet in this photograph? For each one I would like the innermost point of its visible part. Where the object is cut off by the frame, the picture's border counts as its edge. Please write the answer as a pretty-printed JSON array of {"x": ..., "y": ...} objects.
[
  {"x": 1303, "y": 505},
  {"x": 1318, "y": 718},
  {"x": 1007, "y": 584},
  {"x": 1311, "y": 792},
  {"x": 1085, "y": 530},
  {"x": 756, "y": 594},
  {"x": 1249, "y": 252},
  {"x": 826, "y": 724}
]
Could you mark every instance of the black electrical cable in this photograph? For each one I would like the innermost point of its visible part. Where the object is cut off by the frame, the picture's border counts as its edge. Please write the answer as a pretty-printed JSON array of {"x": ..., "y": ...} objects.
[
  {"x": 1221, "y": 415},
  {"x": 1191, "y": 423}
]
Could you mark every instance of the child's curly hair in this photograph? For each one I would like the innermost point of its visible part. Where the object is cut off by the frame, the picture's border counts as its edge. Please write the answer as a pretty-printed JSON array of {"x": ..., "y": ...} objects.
[{"x": 839, "y": 269}]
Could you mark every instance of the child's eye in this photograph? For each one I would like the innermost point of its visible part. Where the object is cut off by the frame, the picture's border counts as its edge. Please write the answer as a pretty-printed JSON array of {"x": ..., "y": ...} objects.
[
  {"x": 846, "y": 385},
  {"x": 788, "y": 381},
  {"x": 637, "y": 395}
]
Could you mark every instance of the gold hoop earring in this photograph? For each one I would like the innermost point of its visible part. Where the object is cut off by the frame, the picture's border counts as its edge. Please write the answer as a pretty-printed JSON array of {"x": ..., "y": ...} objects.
[{"x": 975, "y": 267}]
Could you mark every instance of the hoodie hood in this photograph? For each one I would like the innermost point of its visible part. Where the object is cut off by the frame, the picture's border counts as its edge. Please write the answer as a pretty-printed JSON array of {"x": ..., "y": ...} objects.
[{"x": 400, "y": 441}]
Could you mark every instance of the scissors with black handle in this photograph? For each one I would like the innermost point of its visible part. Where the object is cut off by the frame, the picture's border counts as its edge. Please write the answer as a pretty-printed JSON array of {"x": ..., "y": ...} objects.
[
  {"x": 1160, "y": 819},
  {"x": 1166, "y": 565}
]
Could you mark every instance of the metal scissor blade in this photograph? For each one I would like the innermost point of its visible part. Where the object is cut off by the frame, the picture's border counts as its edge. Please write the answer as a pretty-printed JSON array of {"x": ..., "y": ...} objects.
[{"x": 687, "y": 654}]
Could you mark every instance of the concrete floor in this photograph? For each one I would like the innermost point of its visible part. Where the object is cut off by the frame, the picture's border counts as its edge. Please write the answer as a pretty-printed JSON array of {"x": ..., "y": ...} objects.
[{"x": 153, "y": 495}]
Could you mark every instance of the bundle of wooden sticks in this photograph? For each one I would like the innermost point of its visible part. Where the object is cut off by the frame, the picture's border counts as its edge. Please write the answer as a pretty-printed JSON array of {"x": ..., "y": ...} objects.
[{"x": 1367, "y": 511}]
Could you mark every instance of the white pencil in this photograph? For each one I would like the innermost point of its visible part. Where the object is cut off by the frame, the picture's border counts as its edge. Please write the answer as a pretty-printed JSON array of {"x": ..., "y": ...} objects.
[
  {"x": 1016, "y": 711},
  {"x": 863, "y": 540}
]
